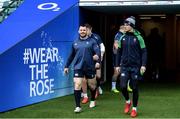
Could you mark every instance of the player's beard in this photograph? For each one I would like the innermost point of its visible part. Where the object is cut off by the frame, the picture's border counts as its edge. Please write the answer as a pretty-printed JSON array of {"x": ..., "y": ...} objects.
[{"x": 83, "y": 35}]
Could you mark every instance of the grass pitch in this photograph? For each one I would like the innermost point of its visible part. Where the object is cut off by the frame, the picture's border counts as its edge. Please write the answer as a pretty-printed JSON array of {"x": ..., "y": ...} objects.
[{"x": 156, "y": 100}]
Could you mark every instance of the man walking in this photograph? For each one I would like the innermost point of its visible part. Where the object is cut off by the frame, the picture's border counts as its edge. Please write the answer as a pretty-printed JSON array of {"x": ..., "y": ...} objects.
[
  {"x": 82, "y": 53},
  {"x": 131, "y": 62}
]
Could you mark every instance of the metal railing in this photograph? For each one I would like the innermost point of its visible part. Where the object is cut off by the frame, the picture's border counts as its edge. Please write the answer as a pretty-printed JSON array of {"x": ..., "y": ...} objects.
[{"x": 127, "y": 2}]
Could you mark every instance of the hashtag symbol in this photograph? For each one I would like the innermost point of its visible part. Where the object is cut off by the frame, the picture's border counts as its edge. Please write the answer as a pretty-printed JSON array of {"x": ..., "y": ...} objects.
[{"x": 26, "y": 56}]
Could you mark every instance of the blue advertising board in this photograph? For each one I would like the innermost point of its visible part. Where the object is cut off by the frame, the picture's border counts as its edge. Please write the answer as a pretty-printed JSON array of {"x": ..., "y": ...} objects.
[
  {"x": 31, "y": 15},
  {"x": 34, "y": 48}
]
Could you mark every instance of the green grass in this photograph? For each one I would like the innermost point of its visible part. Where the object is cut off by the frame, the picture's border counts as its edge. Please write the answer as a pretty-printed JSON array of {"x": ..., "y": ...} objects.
[{"x": 155, "y": 101}]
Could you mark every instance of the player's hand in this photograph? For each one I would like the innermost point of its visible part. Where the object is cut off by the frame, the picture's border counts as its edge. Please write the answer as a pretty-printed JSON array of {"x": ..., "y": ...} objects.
[
  {"x": 118, "y": 69},
  {"x": 116, "y": 45},
  {"x": 97, "y": 65},
  {"x": 95, "y": 57},
  {"x": 142, "y": 70},
  {"x": 66, "y": 70},
  {"x": 102, "y": 55}
]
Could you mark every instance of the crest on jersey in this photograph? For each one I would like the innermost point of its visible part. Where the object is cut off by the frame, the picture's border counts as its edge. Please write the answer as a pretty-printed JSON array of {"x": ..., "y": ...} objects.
[
  {"x": 87, "y": 42},
  {"x": 134, "y": 39},
  {"x": 75, "y": 44},
  {"x": 76, "y": 74},
  {"x": 135, "y": 76}
]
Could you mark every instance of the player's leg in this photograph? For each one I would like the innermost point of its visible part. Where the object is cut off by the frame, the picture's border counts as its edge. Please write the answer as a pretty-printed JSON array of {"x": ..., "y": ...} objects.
[
  {"x": 98, "y": 79},
  {"x": 114, "y": 80},
  {"x": 124, "y": 79},
  {"x": 134, "y": 83},
  {"x": 77, "y": 89},
  {"x": 84, "y": 91},
  {"x": 92, "y": 83}
]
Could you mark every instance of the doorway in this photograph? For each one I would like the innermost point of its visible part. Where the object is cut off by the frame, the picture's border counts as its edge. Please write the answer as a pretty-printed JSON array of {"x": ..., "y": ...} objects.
[{"x": 106, "y": 23}]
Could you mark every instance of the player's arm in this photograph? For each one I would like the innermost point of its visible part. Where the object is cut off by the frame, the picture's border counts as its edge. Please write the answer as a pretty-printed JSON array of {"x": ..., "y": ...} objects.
[
  {"x": 115, "y": 45},
  {"x": 97, "y": 52},
  {"x": 102, "y": 49},
  {"x": 101, "y": 44},
  {"x": 143, "y": 55},
  {"x": 118, "y": 56},
  {"x": 69, "y": 60}
]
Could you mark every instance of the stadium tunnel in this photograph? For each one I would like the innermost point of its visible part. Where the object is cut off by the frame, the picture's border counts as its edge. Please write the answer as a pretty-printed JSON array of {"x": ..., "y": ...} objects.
[
  {"x": 106, "y": 18},
  {"x": 41, "y": 35}
]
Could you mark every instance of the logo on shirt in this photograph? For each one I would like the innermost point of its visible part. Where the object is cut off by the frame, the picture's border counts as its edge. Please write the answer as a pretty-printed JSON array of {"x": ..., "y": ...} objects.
[
  {"x": 123, "y": 74},
  {"x": 76, "y": 74},
  {"x": 75, "y": 44},
  {"x": 87, "y": 43},
  {"x": 135, "y": 76},
  {"x": 134, "y": 39}
]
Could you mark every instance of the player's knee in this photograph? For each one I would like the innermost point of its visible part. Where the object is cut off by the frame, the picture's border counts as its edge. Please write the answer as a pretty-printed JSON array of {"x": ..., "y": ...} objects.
[
  {"x": 92, "y": 86},
  {"x": 77, "y": 86},
  {"x": 98, "y": 76}
]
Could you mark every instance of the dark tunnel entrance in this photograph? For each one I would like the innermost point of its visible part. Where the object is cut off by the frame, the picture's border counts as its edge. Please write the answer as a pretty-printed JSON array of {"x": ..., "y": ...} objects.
[{"x": 106, "y": 21}]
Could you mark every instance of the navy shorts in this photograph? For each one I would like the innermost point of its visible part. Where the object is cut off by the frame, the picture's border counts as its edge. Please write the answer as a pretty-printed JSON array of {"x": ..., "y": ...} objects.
[
  {"x": 114, "y": 59},
  {"x": 129, "y": 73},
  {"x": 89, "y": 74}
]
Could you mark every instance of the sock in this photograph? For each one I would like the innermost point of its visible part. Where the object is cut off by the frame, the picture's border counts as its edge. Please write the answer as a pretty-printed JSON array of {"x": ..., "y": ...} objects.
[
  {"x": 113, "y": 85},
  {"x": 82, "y": 94},
  {"x": 85, "y": 95},
  {"x": 98, "y": 81},
  {"x": 93, "y": 93},
  {"x": 77, "y": 95},
  {"x": 128, "y": 101},
  {"x": 134, "y": 108}
]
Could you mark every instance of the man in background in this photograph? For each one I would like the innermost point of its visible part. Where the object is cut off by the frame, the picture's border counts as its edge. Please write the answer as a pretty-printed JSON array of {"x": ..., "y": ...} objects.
[{"x": 98, "y": 40}]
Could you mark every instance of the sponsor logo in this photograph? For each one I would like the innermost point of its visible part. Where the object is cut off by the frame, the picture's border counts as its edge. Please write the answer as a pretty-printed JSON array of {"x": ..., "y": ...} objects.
[
  {"x": 49, "y": 6},
  {"x": 122, "y": 74}
]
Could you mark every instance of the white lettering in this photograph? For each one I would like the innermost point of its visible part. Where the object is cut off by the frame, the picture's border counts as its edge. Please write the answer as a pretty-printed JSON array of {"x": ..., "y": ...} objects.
[
  {"x": 55, "y": 54},
  {"x": 43, "y": 55},
  {"x": 40, "y": 84},
  {"x": 34, "y": 55},
  {"x": 38, "y": 89},
  {"x": 45, "y": 71},
  {"x": 46, "y": 86},
  {"x": 49, "y": 55},
  {"x": 32, "y": 89},
  {"x": 39, "y": 71},
  {"x": 51, "y": 85},
  {"x": 41, "y": 87},
  {"x": 32, "y": 71}
]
